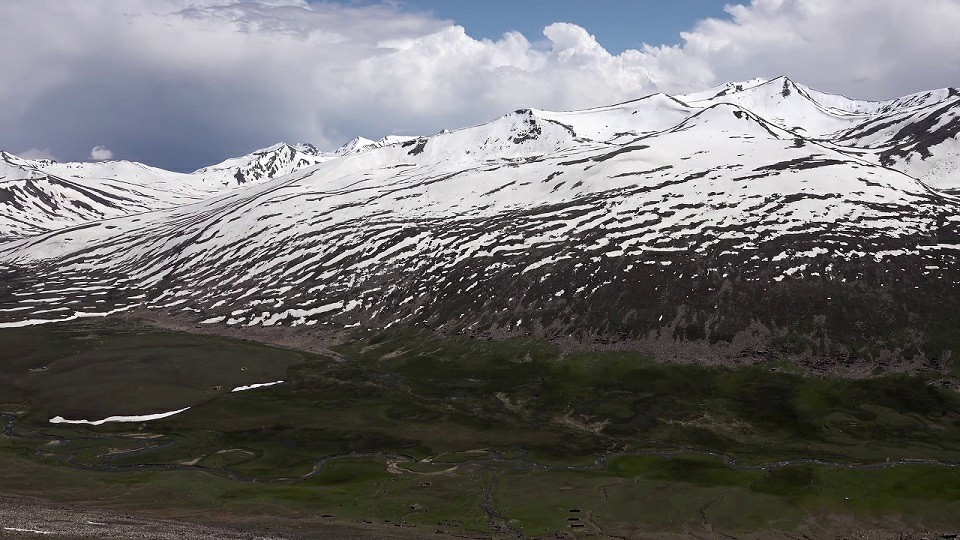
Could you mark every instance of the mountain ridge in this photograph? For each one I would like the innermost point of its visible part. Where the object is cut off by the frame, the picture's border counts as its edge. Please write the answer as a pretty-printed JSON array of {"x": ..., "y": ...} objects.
[{"x": 724, "y": 234}]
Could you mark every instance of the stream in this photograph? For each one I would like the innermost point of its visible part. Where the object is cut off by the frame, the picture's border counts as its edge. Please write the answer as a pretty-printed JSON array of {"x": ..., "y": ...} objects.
[{"x": 491, "y": 458}]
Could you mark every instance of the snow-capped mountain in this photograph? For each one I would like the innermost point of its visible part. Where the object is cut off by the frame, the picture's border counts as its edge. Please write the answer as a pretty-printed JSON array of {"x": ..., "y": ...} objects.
[
  {"x": 361, "y": 144},
  {"x": 43, "y": 195},
  {"x": 754, "y": 217},
  {"x": 902, "y": 134},
  {"x": 272, "y": 162}
]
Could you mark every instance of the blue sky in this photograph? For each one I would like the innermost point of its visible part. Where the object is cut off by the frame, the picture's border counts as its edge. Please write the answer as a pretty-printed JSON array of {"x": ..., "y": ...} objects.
[{"x": 617, "y": 24}]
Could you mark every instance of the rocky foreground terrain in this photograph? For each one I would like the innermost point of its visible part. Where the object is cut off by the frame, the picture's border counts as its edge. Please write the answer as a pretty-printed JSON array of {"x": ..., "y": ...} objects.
[{"x": 33, "y": 518}]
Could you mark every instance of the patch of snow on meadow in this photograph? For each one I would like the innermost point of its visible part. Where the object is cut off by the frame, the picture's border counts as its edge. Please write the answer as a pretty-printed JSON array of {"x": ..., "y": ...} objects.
[
  {"x": 253, "y": 386},
  {"x": 140, "y": 418}
]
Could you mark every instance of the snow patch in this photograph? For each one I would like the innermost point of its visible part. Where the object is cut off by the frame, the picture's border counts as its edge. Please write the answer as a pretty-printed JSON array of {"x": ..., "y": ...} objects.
[
  {"x": 254, "y": 386},
  {"x": 137, "y": 418}
]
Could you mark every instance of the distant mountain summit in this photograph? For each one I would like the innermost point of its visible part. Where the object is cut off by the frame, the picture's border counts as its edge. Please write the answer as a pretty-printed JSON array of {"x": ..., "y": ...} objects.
[
  {"x": 264, "y": 164},
  {"x": 361, "y": 144},
  {"x": 42, "y": 195},
  {"x": 755, "y": 220}
]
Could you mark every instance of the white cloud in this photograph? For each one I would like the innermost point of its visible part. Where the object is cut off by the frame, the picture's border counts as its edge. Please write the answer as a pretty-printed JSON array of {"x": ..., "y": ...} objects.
[
  {"x": 36, "y": 153},
  {"x": 187, "y": 82},
  {"x": 100, "y": 153},
  {"x": 865, "y": 48}
]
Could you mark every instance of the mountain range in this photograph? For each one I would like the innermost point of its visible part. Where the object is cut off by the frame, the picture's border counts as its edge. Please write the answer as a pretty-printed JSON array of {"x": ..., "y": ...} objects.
[
  {"x": 43, "y": 195},
  {"x": 752, "y": 221}
]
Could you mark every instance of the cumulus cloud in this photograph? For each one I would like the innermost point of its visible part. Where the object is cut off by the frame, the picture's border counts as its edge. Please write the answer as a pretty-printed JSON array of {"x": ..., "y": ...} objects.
[
  {"x": 872, "y": 49},
  {"x": 183, "y": 83},
  {"x": 100, "y": 153}
]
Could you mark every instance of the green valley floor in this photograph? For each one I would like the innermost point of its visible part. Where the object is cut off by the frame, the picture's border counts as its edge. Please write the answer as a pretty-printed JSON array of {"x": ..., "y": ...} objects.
[{"x": 404, "y": 433}]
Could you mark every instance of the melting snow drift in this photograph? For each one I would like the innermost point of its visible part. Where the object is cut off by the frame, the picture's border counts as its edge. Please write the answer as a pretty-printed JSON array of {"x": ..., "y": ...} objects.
[
  {"x": 140, "y": 418},
  {"x": 253, "y": 386}
]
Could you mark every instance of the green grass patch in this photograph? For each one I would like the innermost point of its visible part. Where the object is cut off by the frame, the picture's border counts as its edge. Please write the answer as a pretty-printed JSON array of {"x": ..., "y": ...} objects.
[{"x": 440, "y": 432}]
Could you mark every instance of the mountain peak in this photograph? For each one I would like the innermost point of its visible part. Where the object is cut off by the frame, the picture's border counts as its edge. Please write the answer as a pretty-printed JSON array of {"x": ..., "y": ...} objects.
[
  {"x": 721, "y": 90},
  {"x": 354, "y": 145},
  {"x": 14, "y": 159}
]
